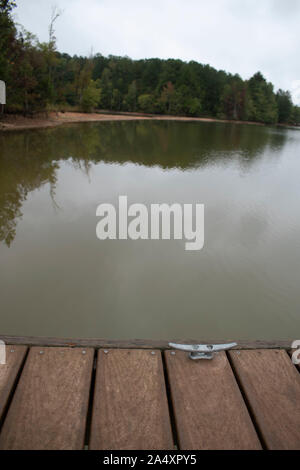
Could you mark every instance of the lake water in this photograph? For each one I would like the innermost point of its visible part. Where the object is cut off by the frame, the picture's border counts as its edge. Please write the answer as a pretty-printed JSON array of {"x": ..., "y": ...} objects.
[{"x": 58, "y": 279}]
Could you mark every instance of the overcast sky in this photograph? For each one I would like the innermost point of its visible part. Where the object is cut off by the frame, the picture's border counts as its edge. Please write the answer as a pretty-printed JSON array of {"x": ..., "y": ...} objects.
[{"x": 239, "y": 36}]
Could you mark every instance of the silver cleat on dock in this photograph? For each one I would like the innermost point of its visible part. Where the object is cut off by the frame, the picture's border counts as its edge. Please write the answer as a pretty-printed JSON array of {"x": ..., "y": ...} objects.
[{"x": 202, "y": 351}]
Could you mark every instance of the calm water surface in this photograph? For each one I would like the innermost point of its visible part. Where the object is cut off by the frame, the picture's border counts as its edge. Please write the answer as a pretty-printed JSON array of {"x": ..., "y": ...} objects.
[{"x": 58, "y": 279}]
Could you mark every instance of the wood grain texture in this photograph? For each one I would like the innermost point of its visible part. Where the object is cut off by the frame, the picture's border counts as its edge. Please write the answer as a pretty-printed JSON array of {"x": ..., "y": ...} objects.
[
  {"x": 8, "y": 374},
  {"x": 137, "y": 343},
  {"x": 271, "y": 384},
  {"x": 130, "y": 409},
  {"x": 209, "y": 409},
  {"x": 50, "y": 404}
]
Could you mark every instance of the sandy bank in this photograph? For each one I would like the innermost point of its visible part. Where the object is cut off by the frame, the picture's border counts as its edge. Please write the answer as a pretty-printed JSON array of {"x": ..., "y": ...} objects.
[{"x": 14, "y": 122}]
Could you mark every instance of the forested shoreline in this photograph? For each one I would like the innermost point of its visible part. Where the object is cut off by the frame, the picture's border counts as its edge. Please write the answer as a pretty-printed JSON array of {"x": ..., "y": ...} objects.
[{"x": 40, "y": 78}]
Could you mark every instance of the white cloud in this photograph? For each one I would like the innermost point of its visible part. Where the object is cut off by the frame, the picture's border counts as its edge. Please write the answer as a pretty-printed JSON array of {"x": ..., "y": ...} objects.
[{"x": 239, "y": 36}]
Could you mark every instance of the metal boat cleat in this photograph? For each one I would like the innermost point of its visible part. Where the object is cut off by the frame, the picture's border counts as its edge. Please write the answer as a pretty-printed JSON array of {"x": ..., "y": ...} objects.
[{"x": 202, "y": 351}]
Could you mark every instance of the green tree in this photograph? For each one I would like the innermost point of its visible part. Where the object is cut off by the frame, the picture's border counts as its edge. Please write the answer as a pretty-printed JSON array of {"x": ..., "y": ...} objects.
[
  {"x": 285, "y": 105},
  {"x": 194, "y": 107},
  {"x": 264, "y": 106},
  {"x": 130, "y": 101},
  {"x": 107, "y": 89},
  {"x": 24, "y": 74},
  {"x": 7, "y": 37},
  {"x": 116, "y": 103},
  {"x": 234, "y": 100},
  {"x": 91, "y": 96},
  {"x": 84, "y": 77},
  {"x": 146, "y": 103},
  {"x": 168, "y": 98},
  {"x": 295, "y": 118}
]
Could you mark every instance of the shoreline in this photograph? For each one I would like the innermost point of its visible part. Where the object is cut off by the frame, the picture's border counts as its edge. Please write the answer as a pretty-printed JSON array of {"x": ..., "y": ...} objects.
[{"x": 16, "y": 122}]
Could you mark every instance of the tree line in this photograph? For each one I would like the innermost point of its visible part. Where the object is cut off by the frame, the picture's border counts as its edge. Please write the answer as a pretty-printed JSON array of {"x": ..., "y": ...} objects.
[{"x": 40, "y": 78}]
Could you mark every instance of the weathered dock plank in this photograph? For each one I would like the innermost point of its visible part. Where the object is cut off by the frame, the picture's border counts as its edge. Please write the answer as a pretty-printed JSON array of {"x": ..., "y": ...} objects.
[
  {"x": 8, "y": 374},
  {"x": 271, "y": 384},
  {"x": 50, "y": 404},
  {"x": 236, "y": 401},
  {"x": 209, "y": 409},
  {"x": 130, "y": 409},
  {"x": 97, "y": 343}
]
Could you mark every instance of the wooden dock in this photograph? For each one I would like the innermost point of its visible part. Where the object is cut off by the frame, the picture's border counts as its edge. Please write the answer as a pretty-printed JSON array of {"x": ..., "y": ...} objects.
[{"x": 86, "y": 395}]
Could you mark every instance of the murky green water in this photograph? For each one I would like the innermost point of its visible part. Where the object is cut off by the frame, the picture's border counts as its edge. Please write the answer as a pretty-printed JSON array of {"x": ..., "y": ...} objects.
[{"x": 58, "y": 279}]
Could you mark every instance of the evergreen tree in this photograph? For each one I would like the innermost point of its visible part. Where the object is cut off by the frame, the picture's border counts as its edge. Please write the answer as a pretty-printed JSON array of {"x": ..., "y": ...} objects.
[
  {"x": 285, "y": 106},
  {"x": 264, "y": 106}
]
